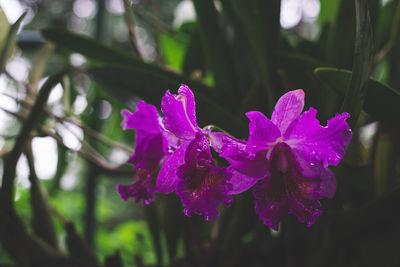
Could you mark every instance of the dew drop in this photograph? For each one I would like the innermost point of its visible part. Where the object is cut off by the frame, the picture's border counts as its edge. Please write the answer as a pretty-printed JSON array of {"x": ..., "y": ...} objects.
[{"x": 187, "y": 212}]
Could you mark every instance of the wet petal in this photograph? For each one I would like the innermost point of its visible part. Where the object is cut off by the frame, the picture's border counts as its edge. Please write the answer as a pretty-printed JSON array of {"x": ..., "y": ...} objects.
[
  {"x": 243, "y": 161},
  {"x": 262, "y": 132},
  {"x": 328, "y": 184},
  {"x": 286, "y": 190},
  {"x": 145, "y": 118},
  {"x": 141, "y": 189},
  {"x": 148, "y": 151},
  {"x": 180, "y": 113},
  {"x": 304, "y": 198},
  {"x": 287, "y": 109},
  {"x": 220, "y": 141},
  {"x": 328, "y": 180},
  {"x": 149, "y": 138},
  {"x": 240, "y": 182},
  {"x": 203, "y": 186},
  {"x": 317, "y": 144},
  {"x": 270, "y": 205},
  {"x": 167, "y": 179},
  {"x": 170, "y": 143}
]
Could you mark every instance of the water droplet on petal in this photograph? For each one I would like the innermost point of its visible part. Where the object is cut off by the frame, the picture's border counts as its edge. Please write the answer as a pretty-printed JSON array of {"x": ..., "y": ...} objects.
[{"x": 187, "y": 212}]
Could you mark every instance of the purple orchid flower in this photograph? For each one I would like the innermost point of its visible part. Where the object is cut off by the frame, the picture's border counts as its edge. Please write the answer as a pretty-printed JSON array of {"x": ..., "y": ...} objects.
[
  {"x": 191, "y": 171},
  {"x": 290, "y": 154},
  {"x": 153, "y": 145}
]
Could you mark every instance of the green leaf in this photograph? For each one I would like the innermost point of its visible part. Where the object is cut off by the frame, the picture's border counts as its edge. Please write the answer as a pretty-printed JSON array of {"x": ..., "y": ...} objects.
[
  {"x": 39, "y": 64},
  {"x": 372, "y": 218},
  {"x": 194, "y": 56},
  {"x": 381, "y": 101},
  {"x": 362, "y": 59},
  {"x": 299, "y": 73},
  {"x": 385, "y": 162},
  {"x": 384, "y": 25},
  {"x": 23, "y": 137},
  {"x": 173, "y": 49},
  {"x": 88, "y": 47},
  {"x": 299, "y": 61},
  {"x": 216, "y": 49},
  {"x": 173, "y": 222},
  {"x": 257, "y": 23},
  {"x": 328, "y": 11},
  {"x": 62, "y": 164},
  {"x": 394, "y": 54},
  {"x": 78, "y": 247},
  {"x": 154, "y": 227},
  {"x": 4, "y": 28},
  {"x": 42, "y": 222},
  {"x": 101, "y": 53},
  {"x": 126, "y": 84},
  {"x": 8, "y": 46},
  {"x": 341, "y": 38}
]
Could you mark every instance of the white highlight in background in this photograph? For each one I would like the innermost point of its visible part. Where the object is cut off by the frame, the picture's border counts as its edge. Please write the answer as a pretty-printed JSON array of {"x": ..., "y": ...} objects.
[
  {"x": 18, "y": 67},
  {"x": 84, "y": 8},
  {"x": 184, "y": 12},
  {"x": 45, "y": 154},
  {"x": 293, "y": 11},
  {"x": 71, "y": 135},
  {"x": 12, "y": 9},
  {"x": 367, "y": 132}
]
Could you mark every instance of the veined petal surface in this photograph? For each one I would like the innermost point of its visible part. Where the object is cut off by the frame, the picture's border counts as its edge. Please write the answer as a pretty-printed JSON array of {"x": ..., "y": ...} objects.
[
  {"x": 287, "y": 109},
  {"x": 317, "y": 144},
  {"x": 180, "y": 113}
]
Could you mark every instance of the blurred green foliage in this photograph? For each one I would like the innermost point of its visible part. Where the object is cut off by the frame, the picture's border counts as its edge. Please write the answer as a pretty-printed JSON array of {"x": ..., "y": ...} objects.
[{"x": 236, "y": 56}]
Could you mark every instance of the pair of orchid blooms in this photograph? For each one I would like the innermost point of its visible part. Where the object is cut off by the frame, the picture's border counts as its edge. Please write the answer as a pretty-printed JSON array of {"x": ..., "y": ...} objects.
[{"x": 285, "y": 159}]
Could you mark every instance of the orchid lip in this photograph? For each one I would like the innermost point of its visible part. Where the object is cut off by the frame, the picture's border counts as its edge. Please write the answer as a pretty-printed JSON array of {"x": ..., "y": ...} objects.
[{"x": 273, "y": 144}]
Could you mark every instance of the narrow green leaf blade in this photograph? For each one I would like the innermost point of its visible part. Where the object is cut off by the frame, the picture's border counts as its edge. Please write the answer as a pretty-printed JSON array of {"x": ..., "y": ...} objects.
[
  {"x": 216, "y": 48},
  {"x": 88, "y": 47},
  {"x": 4, "y": 28},
  {"x": 78, "y": 247},
  {"x": 23, "y": 137},
  {"x": 154, "y": 227},
  {"x": 10, "y": 41},
  {"x": 42, "y": 222},
  {"x": 355, "y": 93},
  {"x": 340, "y": 46},
  {"x": 257, "y": 24},
  {"x": 101, "y": 53},
  {"x": 127, "y": 83},
  {"x": 381, "y": 101}
]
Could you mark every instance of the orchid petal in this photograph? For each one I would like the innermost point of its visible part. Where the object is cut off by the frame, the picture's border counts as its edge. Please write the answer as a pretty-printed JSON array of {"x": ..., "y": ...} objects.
[
  {"x": 148, "y": 151},
  {"x": 180, "y": 113},
  {"x": 287, "y": 109},
  {"x": 234, "y": 151},
  {"x": 149, "y": 138},
  {"x": 145, "y": 118},
  {"x": 167, "y": 179},
  {"x": 262, "y": 132},
  {"x": 328, "y": 184},
  {"x": 141, "y": 189},
  {"x": 202, "y": 186},
  {"x": 317, "y": 144},
  {"x": 328, "y": 180},
  {"x": 240, "y": 182},
  {"x": 286, "y": 190}
]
